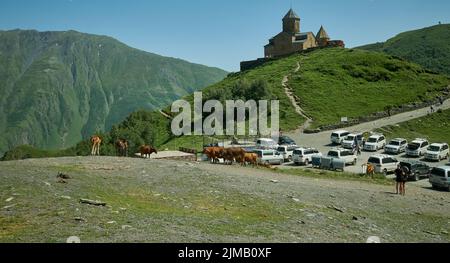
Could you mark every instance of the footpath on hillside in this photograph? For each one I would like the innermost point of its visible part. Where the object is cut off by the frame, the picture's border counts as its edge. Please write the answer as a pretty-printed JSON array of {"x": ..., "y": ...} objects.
[{"x": 294, "y": 100}]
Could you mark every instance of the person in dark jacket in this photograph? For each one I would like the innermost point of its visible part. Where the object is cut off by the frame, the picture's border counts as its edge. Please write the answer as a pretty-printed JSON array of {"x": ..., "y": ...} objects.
[
  {"x": 398, "y": 179},
  {"x": 405, "y": 176}
]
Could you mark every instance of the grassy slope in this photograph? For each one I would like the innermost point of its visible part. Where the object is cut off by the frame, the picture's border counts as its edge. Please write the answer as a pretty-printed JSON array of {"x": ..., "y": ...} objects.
[
  {"x": 58, "y": 88},
  {"x": 429, "y": 47},
  {"x": 335, "y": 83},
  {"x": 272, "y": 73},
  {"x": 435, "y": 127}
]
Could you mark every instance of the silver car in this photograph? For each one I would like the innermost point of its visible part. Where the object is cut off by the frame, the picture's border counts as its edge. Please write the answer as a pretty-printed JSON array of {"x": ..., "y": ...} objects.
[
  {"x": 396, "y": 146},
  {"x": 269, "y": 157},
  {"x": 440, "y": 177}
]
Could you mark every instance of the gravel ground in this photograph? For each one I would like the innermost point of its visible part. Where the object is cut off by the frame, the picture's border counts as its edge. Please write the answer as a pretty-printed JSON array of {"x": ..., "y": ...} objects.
[{"x": 174, "y": 201}]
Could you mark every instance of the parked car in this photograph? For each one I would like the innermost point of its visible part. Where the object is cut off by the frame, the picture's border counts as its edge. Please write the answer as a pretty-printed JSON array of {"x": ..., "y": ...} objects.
[
  {"x": 396, "y": 146},
  {"x": 417, "y": 170},
  {"x": 285, "y": 140},
  {"x": 437, "y": 152},
  {"x": 338, "y": 136},
  {"x": 440, "y": 177},
  {"x": 383, "y": 163},
  {"x": 417, "y": 148},
  {"x": 352, "y": 139},
  {"x": 287, "y": 151},
  {"x": 304, "y": 155},
  {"x": 344, "y": 154},
  {"x": 375, "y": 142},
  {"x": 269, "y": 157},
  {"x": 264, "y": 143}
]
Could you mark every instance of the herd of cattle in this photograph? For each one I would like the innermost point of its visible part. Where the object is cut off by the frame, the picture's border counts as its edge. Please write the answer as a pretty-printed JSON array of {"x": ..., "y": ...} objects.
[{"x": 231, "y": 155}]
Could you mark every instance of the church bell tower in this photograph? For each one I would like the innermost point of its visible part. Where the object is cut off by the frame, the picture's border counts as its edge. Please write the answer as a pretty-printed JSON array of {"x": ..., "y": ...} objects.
[{"x": 291, "y": 22}]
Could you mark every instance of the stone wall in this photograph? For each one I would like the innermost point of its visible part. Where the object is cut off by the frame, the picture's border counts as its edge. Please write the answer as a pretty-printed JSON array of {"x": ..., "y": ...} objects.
[{"x": 247, "y": 65}]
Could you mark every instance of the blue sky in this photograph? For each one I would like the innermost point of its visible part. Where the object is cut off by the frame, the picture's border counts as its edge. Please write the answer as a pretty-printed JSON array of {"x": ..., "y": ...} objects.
[{"x": 221, "y": 33}]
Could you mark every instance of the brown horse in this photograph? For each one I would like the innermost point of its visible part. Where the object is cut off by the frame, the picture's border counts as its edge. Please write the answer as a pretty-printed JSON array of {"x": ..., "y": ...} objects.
[
  {"x": 147, "y": 150},
  {"x": 122, "y": 147},
  {"x": 95, "y": 142}
]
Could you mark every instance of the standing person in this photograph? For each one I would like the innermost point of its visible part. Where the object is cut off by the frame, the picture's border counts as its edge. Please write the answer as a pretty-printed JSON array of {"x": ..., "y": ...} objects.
[
  {"x": 432, "y": 109},
  {"x": 358, "y": 149},
  {"x": 405, "y": 176},
  {"x": 398, "y": 179}
]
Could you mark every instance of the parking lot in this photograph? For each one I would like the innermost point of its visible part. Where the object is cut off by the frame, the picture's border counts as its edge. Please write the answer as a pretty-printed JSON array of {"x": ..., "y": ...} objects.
[
  {"x": 362, "y": 159},
  {"x": 321, "y": 141}
]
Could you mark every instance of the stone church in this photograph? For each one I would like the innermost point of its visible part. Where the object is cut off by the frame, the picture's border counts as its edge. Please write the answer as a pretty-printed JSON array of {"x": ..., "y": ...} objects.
[{"x": 292, "y": 40}]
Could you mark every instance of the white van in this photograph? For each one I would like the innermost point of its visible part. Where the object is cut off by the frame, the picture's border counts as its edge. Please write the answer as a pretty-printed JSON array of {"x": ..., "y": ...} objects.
[
  {"x": 351, "y": 139},
  {"x": 396, "y": 146},
  {"x": 343, "y": 154},
  {"x": 304, "y": 155},
  {"x": 437, "y": 152},
  {"x": 338, "y": 136},
  {"x": 269, "y": 157},
  {"x": 383, "y": 163},
  {"x": 375, "y": 142},
  {"x": 286, "y": 151},
  {"x": 265, "y": 143},
  {"x": 417, "y": 148}
]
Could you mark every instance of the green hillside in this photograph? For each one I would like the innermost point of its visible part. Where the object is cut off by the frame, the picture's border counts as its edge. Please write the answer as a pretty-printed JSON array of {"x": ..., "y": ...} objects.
[
  {"x": 58, "y": 88},
  {"x": 335, "y": 83},
  {"x": 429, "y": 47},
  {"x": 260, "y": 83}
]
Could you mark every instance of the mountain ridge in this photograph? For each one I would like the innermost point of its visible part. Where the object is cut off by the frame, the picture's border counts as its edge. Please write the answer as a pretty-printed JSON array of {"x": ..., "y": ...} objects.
[
  {"x": 429, "y": 47},
  {"x": 59, "y": 87}
]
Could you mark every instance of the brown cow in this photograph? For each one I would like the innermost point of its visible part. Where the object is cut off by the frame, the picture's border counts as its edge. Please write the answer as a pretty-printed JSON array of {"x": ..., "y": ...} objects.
[
  {"x": 213, "y": 153},
  {"x": 122, "y": 147},
  {"x": 234, "y": 154},
  {"x": 251, "y": 158},
  {"x": 147, "y": 150},
  {"x": 227, "y": 155}
]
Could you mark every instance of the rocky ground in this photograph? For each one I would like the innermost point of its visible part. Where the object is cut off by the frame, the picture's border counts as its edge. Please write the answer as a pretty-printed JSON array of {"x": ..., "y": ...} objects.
[{"x": 174, "y": 201}]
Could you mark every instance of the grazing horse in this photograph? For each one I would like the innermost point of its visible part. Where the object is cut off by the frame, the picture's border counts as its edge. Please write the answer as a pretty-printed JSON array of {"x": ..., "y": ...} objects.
[
  {"x": 122, "y": 147},
  {"x": 95, "y": 142},
  {"x": 147, "y": 150}
]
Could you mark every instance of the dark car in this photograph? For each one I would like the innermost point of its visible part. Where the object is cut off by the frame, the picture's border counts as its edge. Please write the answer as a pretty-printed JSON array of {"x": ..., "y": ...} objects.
[
  {"x": 417, "y": 170},
  {"x": 284, "y": 140}
]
